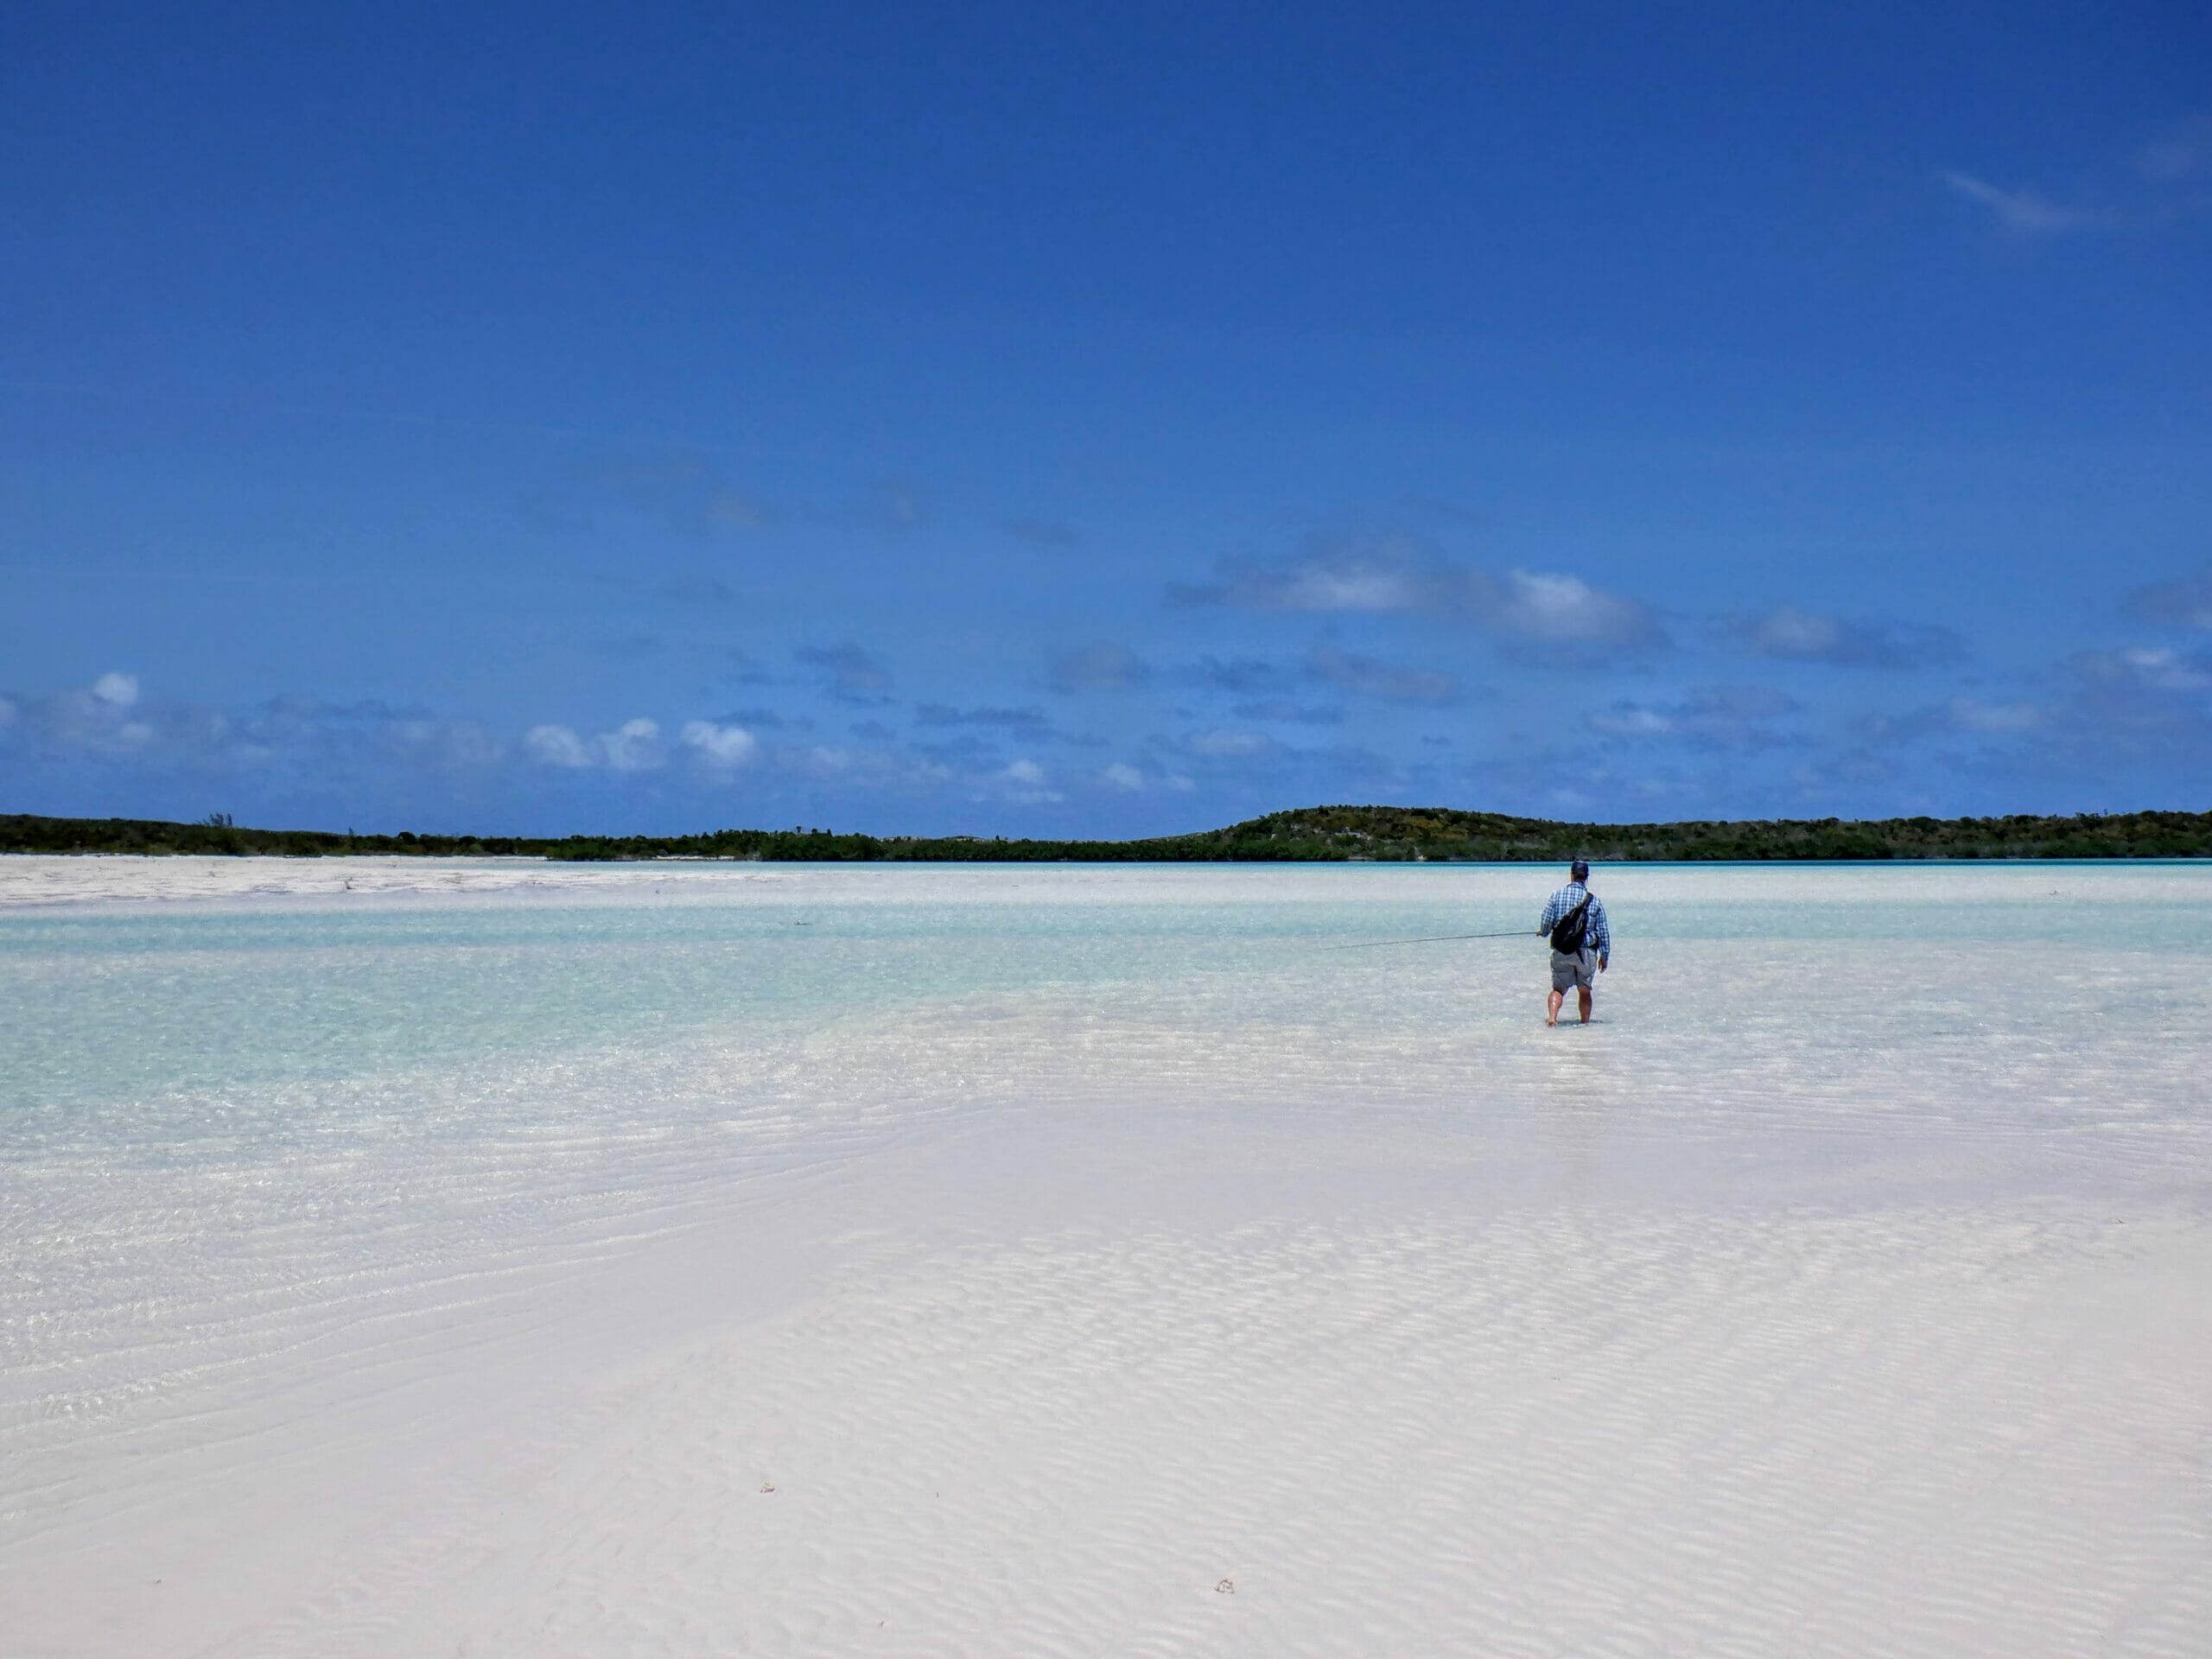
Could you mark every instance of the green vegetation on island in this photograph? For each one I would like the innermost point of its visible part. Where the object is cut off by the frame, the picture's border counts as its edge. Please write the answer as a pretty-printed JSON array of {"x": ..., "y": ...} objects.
[{"x": 1320, "y": 834}]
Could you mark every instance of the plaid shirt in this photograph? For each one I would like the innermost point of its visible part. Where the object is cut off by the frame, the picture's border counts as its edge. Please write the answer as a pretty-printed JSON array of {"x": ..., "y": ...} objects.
[{"x": 1595, "y": 935}]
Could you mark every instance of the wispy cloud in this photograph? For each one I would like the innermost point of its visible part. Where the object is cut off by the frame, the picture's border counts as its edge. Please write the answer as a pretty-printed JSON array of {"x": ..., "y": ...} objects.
[
  {"x": 1397, "y": 576},
  {"x": 1789, "y": 635},
  {"x": 850, "y": 672},
  {"x": 759, "y": 720},
  {"x": 1281, "y": 711},
  {"x": 1731, "y": 703},
  {"x": 113, "y": 722},
  {"x": 2170, "y": 179},
  {"x": 2184, "y": 604},
  {"x": 895, "y": 505},
  {"x": 1367, "y": 677},
  {"x": 2146, "y": 706},
  {"x": 2148, "y": 668},
  {"x": 2101, "y": 710},
  {"x": 1027, "y": 722},
  {"x": 101, "y": 720},
  {"x": 693, "y": 589},
  {"x": 1023, "y": 781},
  {"x": 1104, "y": 667},
  {"x": 736, "y": 667},
  {"x": 2023, "y": 210},
  {"x": 1631, "y": 720},
  {"x": 94, "y": 719},
  {"x": 1217, "y": 744},
  {"x": 1709, "y": 717},
  {"x": 1955, "y": 717},
  {"x": 686, "y": 494},
  {"x": 1975, "y": 715},
  {"x": 2180, "y": 155},
  {"x": 1245, "y": 676},
  {"x": 1361, "y": 575},
  {"x": 1041, "y": 532},
  {"x": 1135, "y": 780}
]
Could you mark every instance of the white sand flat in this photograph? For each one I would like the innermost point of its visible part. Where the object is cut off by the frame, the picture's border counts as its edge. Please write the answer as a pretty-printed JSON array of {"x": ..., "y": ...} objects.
[{"x": 1794, "y": 1309}]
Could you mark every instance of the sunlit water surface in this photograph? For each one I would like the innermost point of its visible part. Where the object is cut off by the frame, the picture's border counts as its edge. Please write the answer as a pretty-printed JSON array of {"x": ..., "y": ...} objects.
[{"x": 242, "y": 1108}]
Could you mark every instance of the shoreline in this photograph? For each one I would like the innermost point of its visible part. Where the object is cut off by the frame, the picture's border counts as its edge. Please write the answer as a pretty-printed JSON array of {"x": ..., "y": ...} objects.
[{"x": 1314, "y": 835}]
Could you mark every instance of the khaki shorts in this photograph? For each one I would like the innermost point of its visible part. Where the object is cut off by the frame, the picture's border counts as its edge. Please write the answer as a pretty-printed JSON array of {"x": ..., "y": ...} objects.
[{"x": 1572, "y": 973}]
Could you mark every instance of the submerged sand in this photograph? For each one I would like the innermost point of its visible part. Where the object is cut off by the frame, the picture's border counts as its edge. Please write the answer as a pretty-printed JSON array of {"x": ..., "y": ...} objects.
[{"x": 1803, "y": 1305}]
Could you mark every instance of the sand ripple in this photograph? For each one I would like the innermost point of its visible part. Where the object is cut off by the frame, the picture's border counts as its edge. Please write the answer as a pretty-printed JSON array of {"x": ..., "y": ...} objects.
[{"x": 1537, "y": 1433}]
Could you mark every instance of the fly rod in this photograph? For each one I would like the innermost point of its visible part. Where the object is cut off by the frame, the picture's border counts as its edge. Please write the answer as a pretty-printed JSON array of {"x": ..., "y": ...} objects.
[{"x": 1440, "y": 938}]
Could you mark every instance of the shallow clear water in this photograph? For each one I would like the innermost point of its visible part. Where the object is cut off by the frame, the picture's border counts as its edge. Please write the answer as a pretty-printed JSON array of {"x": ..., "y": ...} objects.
[
  {"x": 110, "y": 1003},
  {"x": 231, "y": 1120}
]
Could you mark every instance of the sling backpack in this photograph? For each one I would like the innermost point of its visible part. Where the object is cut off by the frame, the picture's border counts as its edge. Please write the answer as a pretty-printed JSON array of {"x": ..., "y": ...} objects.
[{"x": 1572, "y": 929}]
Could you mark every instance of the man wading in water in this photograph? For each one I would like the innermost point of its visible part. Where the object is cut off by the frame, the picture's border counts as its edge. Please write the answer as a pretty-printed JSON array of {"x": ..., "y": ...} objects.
[{"x": 1574, "y": 921}]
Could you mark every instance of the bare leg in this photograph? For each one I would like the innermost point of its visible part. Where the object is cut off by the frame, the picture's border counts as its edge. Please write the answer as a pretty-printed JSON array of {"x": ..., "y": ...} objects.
[
  {"x": 1551, "y": 1007},
  {"x": 1583, "y": 996}
]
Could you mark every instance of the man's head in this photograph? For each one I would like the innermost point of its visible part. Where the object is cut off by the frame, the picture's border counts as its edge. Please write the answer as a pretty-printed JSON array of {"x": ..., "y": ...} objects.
[{"x": 1579, "y": 869}]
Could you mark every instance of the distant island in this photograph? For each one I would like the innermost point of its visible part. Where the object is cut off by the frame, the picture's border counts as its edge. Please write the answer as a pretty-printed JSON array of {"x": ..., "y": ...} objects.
[{"x": 1311, "y": 835}]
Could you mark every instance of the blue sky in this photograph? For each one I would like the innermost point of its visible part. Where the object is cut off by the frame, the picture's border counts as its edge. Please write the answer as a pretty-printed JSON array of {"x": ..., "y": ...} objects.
[{"x": 1102, "y": 419}]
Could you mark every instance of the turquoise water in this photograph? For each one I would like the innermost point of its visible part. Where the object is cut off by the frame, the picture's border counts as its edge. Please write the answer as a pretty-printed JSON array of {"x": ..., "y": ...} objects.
[
  {"x": 229, "y": 1123},
  {"x": 107, "y": 1004}
]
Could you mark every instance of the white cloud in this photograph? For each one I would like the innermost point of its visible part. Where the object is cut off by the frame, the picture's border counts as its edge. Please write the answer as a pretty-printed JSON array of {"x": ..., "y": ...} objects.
[
  {"x": 1788, "y": 634},
  {"x": 303, "y": 734},
  {"x": 1567, "y": 609},
  {"x": 634, "y": 745},
  {"x": 1969, "y": 715},
  {"x": 725, "y": 747},
  {"x": 117, "y": 690},
  {"x": 1025, "y": 781},
  {"x": 1393, "y": 576},
  {"x": 1631, "y": 720},
  {"x": 1708, "y": 717},
  {"x": 464, "y": 743},
  {"x": 556, "y": 746},
  {"x": 2165, "y": 184},
  {"x": 2019, "y": 210},
  {"x": 96, "y": 718},
  {"x": 1121, "y": 775},
  {"x": 1372, "y": 591},
  {"x": 2161, "y": 669},
  {"x": 1367, "y": 576}
]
